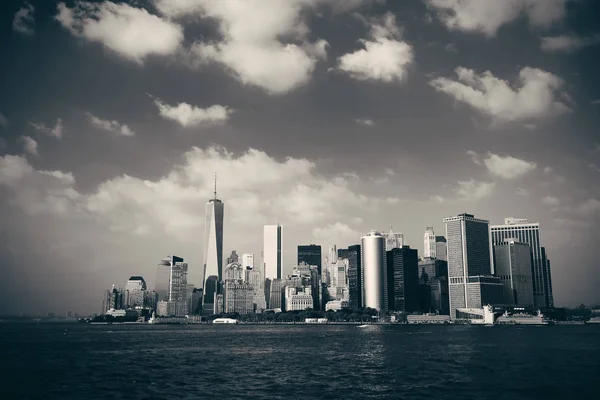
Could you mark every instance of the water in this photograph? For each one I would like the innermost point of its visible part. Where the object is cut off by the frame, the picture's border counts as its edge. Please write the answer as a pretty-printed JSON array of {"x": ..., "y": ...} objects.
[{"x": 298, "y": 362}]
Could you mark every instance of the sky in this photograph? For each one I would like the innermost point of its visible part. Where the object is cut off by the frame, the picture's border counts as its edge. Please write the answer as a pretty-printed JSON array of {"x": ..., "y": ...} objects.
[{"x": 331, "y": 118}]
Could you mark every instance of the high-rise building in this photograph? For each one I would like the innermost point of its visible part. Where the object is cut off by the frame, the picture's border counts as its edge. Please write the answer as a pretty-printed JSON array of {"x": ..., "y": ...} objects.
[
  {"x": 310, "y": 254},
  {"x": 234, "y": 272},
  {"x": 355, "y": 276},
  {"x": 135, "y": 290},
  {"x": 276, "y": 294},
  {"x": 178, "y": 288},
  {"x": 512, "y": 264},
  {"x": 332, "y": 255},
  {"x": 272, "y": 251},
  {"x": 197, "y": 301},
  {"x": 163, "y": 277},
  {"x": 374, "y": 277},
  {"x": 403, "y": 279},
  {"x": 548, "y": 295},
  {"x": 254, "y": 277},
  {"x": 233, "y": 258},
  {"x": 210, "y": 292},
  {"x": 248, "y": 260},
  {"x": 113, "y": 299},
  {"x": 429, "y": 245},
  {"x": 393, "y": 240},
  {"x": 441, "y": 251},
  {"x": 468, "y": 256},
  {"x": 213, "y": 238},
  {"x": 238, "y": 297},
  {"x": 434, "y": 268},
  {"x": 527, "y": 232},
  {"x": 342, "y": 253}
]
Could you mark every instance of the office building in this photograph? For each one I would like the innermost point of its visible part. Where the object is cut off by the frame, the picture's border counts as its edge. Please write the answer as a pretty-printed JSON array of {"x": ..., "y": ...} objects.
[
  {"x": 433, "y": 267},
  {"x": 254, "y": 277},
  {"x": 213, "y": 238},
  {"x": 512, "y": 264},
  {"x": 468, "y": 256},
  {"x": 549, "y": 296},
  {"x": 135, "y": 290},
  {"x": 403, "y": 280},
  {"x": 238, "y": 296},
  {"x": 233, "y": 257},
  {"x": 441, "y": 251},
  {"x": 163, "y": 277},
  {"x": 298, "y": 299},
  {"x": 429, "y": 245},
  {"x": 342, "y": 253},
  {"x": 354, "y": 276},
  {"x": 276, "y": 294},
  {"x": 113, "y": 299},
  {"x": 311, "y": 254},
  {"x": 527, "y": 232},
  {"x": 374, "y": 277},
  {"x": 211, "y": 290},
  {"x": 272, "y": 251},
  {"x": 197, "y": 301},
  {"x": 234, "y": 272},
  {"x": 393, "y": 240},
  {"x": 248, "y": 260},
  {"x": 178, "y": 288},
  {"x": 482, "y": 291}
]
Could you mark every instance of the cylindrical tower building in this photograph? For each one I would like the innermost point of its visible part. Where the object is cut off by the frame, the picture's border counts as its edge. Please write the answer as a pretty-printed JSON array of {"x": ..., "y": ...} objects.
[{"x": 373, "y": 271}]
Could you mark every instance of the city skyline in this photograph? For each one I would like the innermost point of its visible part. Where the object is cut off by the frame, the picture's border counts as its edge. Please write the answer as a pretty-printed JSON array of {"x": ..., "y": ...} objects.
[{"x": 108, "y": 150}]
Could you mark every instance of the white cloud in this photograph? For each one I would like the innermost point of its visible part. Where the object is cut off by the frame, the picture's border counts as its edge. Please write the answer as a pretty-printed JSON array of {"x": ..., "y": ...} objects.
[
  {"x": 365, "y": 121},
  {"x": 131, "y": 32},
  {"x": 389, "y": 171},
  {"x": 538, "y": 97},
  {"x": 487, "y": 16},
  {"x": 188, "y": 115},
  {"x": 451, "y": 48},
  {"x": 384, "y": 57},
  {"x": 259, "y": 44},
  {"x": 337, "y": 232},
  {"x": 474, "y": 157},
  {"x": 111, "y": 126},
  {"x": 550, "y": 201},
  {"x": 594, "y": 167},
  {"x": 567, "y": 43},
  {"x": 508, "y": 167},
  {"x": 30, "y": 145},
  {"x": 474, "y": 190},
  {"x": 437, "y": 199},
  {"x": 522, "y": 192},
  {"x": 24, "y": 21},
  {"x": 548, "y": 170},
  {"x": 56, "y": 131},
  {"x": 3, "y": 120}
]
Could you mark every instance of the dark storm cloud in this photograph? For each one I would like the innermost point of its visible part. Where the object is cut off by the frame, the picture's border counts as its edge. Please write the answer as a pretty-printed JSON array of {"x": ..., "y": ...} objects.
[{"x": 422, "y": 135}]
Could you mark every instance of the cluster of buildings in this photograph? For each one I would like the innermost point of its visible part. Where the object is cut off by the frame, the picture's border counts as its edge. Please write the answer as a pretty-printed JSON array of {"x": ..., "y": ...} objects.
[{"x": 472, "y": 266}]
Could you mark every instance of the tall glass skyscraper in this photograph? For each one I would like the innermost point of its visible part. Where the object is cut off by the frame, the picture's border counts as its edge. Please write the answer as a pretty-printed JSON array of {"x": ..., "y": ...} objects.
[
  {"x": 468, "y": 257},
  {"x": 213, "y": 238},
  {"x": 310, "y": 254},
  {"x": 272, "y": 251},
  {"x": 526, "y": 232}
]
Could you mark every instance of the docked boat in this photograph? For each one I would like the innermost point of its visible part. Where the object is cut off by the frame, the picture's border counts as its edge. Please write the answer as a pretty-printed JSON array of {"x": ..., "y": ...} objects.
[
  {"x": 225, "y": 321},
  {"x": 522, "y": 319}
]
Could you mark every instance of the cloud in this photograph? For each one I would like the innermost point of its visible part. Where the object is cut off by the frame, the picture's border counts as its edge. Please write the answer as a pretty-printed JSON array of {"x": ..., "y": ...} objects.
[
  {"x": 30, "y": 145},
  {"x": 507, "y": 167},
  {"x": 548, "y": 170},
  {"x": 451, "y": 48},
  {"x": 522, "y": 192},
  {"x": 384, "y": 58},
  {"x": 487, "y": 16},
  {"x": 389, "y": 171},
  {"x": 474, "y": 157},
  {"x": 538, "y": 96},
  {"x": 338, "y": 233},
  {"x": 111, "y": 126},
  {"x": 365, "y": 121},
  {"x": 56, "y": 131},
  {"x": 474, "y": 190},
  {"x": 589, "y": 207},
  {"x": 263, "y": 43},
  {"x": 131, "y": 32},
  {"x": 3, "y": 120},
  {"x": 568, "y": 44},
  {"x": 188, "y": 115},
  {"x": 436, "y": 199},
  {"x": 550, "y": 201},
  {"x": 24, "y": 21}
]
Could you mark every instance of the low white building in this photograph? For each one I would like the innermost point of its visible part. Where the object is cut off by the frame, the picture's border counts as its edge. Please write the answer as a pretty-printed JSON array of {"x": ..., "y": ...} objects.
[{"x": 336, "y": 305}]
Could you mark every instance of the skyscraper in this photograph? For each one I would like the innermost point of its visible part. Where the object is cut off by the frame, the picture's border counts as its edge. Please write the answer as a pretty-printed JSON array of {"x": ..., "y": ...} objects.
[
  {"x": 393, "y": 240},
  {"x": 163, "y": 277},
  {"x": 526, "y": 232},
  {"x": 135, "y": 290},
  {"x": 355, "y": 276},
  {"x": 441, "y": 251},
  {"x": 429, "y": 245},
  {"x": 213, "y": 238},
  {"x": 248, "y": 260},
  {"x": 468, "y": 257},
  {"x": 403, "y": 279},
  {"x": 310, "y": 254},
  {"x": 512, "y": 264},
  {"x": 172, "y": 271},
  {"x": 374, "y": 277},
  {"x": 272, "y": 251}
]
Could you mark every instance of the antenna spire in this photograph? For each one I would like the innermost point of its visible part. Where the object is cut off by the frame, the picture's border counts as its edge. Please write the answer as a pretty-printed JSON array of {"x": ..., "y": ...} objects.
[{"x": 215, "y": 185}]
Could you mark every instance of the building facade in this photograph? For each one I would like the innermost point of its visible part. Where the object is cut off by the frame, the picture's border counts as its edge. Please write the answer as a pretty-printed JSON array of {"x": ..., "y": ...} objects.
[
  {"x": 403, "y": 280},
  {"x": 512, "y": 264},
  {"x": 469, "y": 256},
  {"x": 526, "y": 232},
  {"x": 248, "y": 260},
  {"x": 272, "y": 251},
  {"x": 355, "y": 276},
  {"x": 213, "y": 239},
  {"x": 393, "y": 240},
  {"x": 238, "y": 297},
  {"x": 135, "y": 290},
  {"x": 374, "y": 277},
  {"x": 311, "y": 255},
  {"x": 429, "y": 246},
  {"x": 441, "y": 250}
]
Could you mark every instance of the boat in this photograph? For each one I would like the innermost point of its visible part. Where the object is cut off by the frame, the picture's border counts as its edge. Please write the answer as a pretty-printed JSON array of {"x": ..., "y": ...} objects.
[
  {"x": 363, "y": 326},
  {"x": 594, "y": 320},
  {"x": 522, "y": 319},
  {"x": 225, "y": 321}
]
